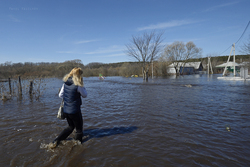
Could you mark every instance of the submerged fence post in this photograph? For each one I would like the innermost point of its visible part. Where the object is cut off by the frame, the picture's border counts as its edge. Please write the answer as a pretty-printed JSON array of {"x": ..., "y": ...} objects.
[
  {"x": 13, "y": 86},
  {"x": 10, "y": 86},
  {"x": 20, "y": 87},
  {"x": 31, "y": 88}
]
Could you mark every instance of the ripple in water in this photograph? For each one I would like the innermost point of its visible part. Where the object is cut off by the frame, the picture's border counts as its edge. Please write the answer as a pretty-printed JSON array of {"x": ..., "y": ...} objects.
[{"x": 186, "y": 121}]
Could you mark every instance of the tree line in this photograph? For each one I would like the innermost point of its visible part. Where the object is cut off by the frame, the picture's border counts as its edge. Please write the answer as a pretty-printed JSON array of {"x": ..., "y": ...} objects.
[
  {"x": 126, "y": 69},
  {"x": 45, "y": 69}
]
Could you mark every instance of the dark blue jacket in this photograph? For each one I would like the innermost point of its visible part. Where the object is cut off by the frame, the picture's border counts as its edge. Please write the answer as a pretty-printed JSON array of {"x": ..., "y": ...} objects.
[{"x": 72, "y": 98}]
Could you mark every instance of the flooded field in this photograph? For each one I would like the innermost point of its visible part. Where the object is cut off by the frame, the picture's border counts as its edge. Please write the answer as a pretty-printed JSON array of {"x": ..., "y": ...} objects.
[{"x": 186, "y": 121}]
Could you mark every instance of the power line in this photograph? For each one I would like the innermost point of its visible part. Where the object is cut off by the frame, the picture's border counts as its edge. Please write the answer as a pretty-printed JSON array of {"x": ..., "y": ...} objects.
[
  {"x": 238, "y": 39},
  {"x": 243, "y": 33},
  {"x": 226, "y": 50}
]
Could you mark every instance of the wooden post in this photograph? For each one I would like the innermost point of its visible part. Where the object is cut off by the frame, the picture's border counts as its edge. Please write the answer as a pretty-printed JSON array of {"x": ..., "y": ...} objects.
[
  {"x": 13, "y": 86},
  {"x": 10, "y": 86},
  {"x": 20, "y": 87},
  {"x": 31, "y": 88}
]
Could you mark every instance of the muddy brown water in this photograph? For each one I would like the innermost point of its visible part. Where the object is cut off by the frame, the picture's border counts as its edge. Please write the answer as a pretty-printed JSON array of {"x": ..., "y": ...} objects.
[{"x": 128, "y": 122}]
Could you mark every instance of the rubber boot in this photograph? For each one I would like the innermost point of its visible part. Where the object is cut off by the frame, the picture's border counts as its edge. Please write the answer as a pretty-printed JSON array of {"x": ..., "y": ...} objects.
[
  {"x": 79, "y": 136},
  {"x": 54, "y": 144},
  {"x": 62, "y": 136}
]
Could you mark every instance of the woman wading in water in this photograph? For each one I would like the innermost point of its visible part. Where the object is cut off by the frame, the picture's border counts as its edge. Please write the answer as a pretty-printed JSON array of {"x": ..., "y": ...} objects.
[{"x": 71, "y": 92}]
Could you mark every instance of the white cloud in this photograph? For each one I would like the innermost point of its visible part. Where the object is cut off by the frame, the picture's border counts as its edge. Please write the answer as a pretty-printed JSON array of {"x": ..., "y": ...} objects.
[
  {"x": 113, "y": 55},
  {"x": 68, "y": 52},
  {"x": 221, "y": 6},
  {"x": 110, "y": 49},
  {"x": 170, "y": 24},
  {"x": 85, "y": 41}
]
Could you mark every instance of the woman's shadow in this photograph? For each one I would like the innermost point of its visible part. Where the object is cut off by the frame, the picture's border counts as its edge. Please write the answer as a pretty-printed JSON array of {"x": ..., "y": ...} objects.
[{"x": 98, "y": 133}]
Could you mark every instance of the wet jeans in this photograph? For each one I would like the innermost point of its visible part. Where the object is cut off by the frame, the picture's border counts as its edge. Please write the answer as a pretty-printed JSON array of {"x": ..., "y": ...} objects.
[{"x": 74, "y": 121}]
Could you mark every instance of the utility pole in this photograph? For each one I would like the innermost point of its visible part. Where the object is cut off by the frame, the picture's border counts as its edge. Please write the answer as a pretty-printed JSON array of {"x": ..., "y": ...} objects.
[
  {"x": 208, "y": 59},
  {"x": 233, "y": 47},
  {"x": 209, "y": 65}
]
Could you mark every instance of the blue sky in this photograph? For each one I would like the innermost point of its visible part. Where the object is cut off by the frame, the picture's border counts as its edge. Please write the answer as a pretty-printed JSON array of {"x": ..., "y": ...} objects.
[{"x": 98, "y": 30}]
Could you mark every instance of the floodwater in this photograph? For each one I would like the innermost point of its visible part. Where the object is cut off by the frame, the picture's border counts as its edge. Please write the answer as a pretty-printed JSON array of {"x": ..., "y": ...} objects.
[{"x": 128, "y": 122}]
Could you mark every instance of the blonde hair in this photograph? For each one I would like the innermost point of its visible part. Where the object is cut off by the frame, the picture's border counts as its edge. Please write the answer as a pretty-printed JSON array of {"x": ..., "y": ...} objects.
[{"x": 76, "y": 74}]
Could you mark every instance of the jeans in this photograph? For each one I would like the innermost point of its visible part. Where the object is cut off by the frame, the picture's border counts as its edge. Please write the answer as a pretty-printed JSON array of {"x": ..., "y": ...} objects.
[{"x": 74, "y": 121}]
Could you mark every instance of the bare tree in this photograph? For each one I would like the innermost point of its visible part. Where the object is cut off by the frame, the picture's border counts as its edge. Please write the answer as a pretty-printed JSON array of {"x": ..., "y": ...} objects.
[
  {"x": 145, "y": 49},
  {"x": 245, "y": 48},
  {"x": 179, "y": 53}
]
